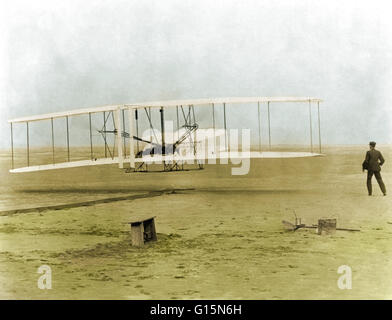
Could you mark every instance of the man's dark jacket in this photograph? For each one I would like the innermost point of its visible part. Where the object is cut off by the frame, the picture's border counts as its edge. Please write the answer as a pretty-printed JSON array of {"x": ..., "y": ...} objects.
[{"x": 371, "y": 162}]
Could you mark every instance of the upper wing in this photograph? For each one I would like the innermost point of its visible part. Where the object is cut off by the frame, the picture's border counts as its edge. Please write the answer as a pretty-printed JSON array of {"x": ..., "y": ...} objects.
[
  {"x": 64, "y": 114},
  {"x": 229, "y": 100},
  {"x": 170, "y": 103}
]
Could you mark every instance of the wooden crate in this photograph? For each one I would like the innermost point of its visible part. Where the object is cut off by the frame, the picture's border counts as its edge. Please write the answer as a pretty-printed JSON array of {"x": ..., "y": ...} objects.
[
  {"x": 326, "y": 226},
  {"x": 143, "y": 231}
]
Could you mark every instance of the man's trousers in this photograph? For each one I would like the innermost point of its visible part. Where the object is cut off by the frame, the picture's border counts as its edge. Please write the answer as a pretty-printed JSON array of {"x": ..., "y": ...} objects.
[{"x": 377, "y": 174}]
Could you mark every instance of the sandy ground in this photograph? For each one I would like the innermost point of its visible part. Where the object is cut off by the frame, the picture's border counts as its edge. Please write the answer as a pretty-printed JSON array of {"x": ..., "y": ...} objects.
[{"x": 219, "y": 236}]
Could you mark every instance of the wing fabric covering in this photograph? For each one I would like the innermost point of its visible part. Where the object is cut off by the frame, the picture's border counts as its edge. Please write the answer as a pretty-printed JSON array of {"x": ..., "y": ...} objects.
[{"x": 159, "y": 159}]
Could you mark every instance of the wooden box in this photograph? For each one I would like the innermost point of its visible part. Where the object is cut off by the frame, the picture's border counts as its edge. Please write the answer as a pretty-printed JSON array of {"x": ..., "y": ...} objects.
[
  {"x": 143, "y": 231},
  {"x": 326, "y": 226}
]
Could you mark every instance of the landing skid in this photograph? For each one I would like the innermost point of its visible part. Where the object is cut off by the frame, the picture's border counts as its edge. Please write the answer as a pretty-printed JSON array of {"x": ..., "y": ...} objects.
[{"x": 167, "y": 167}]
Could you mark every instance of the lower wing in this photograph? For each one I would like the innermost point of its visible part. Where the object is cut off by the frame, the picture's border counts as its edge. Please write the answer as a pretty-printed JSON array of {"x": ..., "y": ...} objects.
[{"x": 158, "y": 159}]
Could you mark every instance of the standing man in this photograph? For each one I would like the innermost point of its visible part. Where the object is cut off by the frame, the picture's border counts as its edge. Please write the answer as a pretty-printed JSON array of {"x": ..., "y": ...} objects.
[{"x": 373, "y": 162}]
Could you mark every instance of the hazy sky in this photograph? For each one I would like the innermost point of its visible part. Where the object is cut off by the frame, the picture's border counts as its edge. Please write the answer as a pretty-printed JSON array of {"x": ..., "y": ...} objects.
[{"x": 62, "y": 55}]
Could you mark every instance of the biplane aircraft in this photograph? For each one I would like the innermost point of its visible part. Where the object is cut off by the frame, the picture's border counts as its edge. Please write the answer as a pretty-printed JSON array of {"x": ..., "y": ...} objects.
[{"x": 134, "y": 151}]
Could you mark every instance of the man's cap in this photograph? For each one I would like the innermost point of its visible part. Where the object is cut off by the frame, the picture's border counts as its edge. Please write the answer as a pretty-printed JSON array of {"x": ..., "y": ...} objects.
[{"x": 372, "y": 143}]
